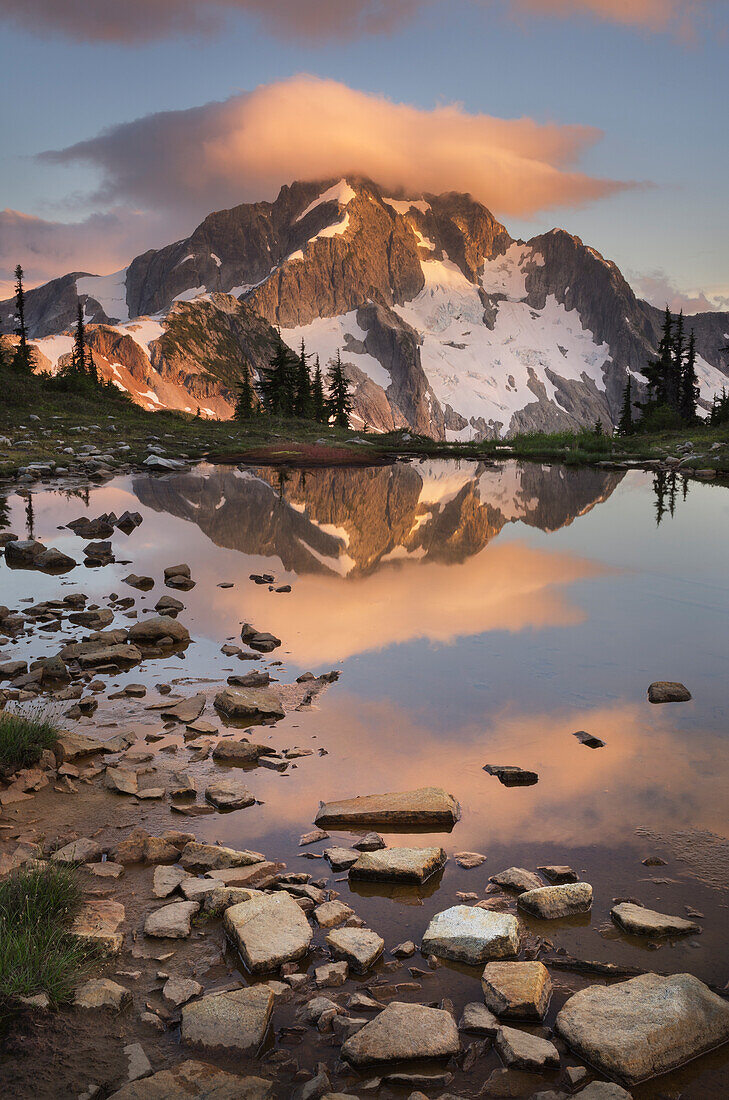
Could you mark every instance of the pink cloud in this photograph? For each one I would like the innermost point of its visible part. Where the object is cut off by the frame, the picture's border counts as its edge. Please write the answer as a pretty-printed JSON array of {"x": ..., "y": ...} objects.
[{"x": 658, "y": 289}]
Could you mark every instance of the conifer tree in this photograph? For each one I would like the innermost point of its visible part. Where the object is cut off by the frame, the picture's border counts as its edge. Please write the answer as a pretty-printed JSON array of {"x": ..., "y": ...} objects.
[
  {"x": 245, "y": 406},
  {"x": 278, "y": 381},
  {"x": 675, "y": 376},
  {"x": 340, "y": 402},
  {"x": 23, "y": 359},
  {"x": 625, "y": 424},
  {"x": 302, "y": 399},
  {"x": 598, "y": 430},
  {"x": 689, "y": 383},
  {"x": 658, "y": 371},
  {"x": 318, "y": 403},
  {"x": 78, "y": 355}
]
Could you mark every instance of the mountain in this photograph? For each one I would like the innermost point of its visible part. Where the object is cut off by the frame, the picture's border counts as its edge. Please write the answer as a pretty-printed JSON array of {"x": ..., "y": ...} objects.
[{"x": 446, "y": 324}]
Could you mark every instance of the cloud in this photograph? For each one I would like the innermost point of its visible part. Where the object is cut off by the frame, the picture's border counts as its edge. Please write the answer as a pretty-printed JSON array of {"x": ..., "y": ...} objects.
[
  {"x": 244, "y": 148},
  {"x": 144, "y": 20},
  {"x": 657, "y": 288}
]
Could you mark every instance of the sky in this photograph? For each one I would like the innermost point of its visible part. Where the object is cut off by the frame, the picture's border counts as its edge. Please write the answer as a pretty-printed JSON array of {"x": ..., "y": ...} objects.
[{"x": 127, "y": 122}]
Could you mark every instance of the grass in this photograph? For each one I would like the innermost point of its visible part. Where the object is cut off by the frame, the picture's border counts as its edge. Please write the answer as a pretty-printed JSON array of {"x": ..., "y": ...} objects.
[
  {"x": 25, "y": 737},
  {"x": 37, "y": 952}
]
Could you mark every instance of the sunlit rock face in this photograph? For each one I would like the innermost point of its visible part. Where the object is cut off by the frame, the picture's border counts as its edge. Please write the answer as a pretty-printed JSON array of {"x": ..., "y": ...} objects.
[{"x": 445, "y": 323}]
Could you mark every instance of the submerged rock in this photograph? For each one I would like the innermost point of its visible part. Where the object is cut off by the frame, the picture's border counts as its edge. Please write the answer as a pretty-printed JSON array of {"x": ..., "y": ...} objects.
[
  {"x": 359, "y": 946},
  {"x": 644, "y": 1027},
  {"x": 398, "y": 865},
  {"x": 554, "y": 902},
  {"x": 664, "y": 691},
  {"x": 466, "y": 933},
  {"x": 425, "y": 806},
  {"x": 268, "y": 930},
  {"x": 647, "y": 922},
  {"x": 235, "y": 1021},
  {"x": 403, "y": 1031},
  {"x": 517, "y": 990}
]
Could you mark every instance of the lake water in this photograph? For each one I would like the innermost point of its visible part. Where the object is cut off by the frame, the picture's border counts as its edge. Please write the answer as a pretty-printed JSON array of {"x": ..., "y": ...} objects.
[{"x": 479, "y": 615}]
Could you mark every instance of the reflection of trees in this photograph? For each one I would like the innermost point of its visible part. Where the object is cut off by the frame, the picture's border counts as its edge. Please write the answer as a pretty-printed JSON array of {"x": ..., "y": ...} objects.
[
  {"x": 77, "y": 494},
  {"x": 4, "y": 512},
  {"x": 665, "y": 488},
  {"x": 29, "y": 516}
]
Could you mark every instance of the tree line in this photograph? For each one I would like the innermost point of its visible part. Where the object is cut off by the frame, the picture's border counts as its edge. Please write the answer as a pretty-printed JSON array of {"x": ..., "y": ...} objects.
[{"x": 289, "y": 387}]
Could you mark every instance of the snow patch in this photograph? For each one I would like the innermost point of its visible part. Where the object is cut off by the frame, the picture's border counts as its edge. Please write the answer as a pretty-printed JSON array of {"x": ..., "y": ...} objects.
[
  {"x": 216, "y": 259},
  {"x": 110, "y": 291},
  {"x": 53, "y": 347},
  {"x": 326, "y": 335},
  {"x": 192, "y": 293},
  {"x": 341, "y": 192},
  {"x": 402, "y": 206}
]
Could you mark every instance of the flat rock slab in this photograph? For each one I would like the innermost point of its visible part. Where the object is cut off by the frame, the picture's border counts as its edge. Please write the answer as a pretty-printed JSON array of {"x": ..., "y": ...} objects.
[
  {"x": 558, "y": 873},
  {"x": 664, "y": 691},
  {"x": 398, "y": 865},
  {"x": 73, "y": 746},
  {"x": 402, "y": 1031},
  {"x": 555, "y": 902},
  {"x": 229, "y": 794},
  {"x": 646, "y": 922},
  {"x": 173, "y": 922},
  {"x": 524, "y": 1051},
  {"x": 469, "y": 860},
  {"x": 641, "y": 1028},
  {"x": 102, "y": 993},
  {"x": 360, "y": 947},
  {"x": 166, "y": 880},
  {"x": 268, "y": 930},
  {"x": 517, "y": 990},
  {"x": 235, "y": 1021},
  {"x": 341, "y": 859},
  {"x": 509, "y": 775},
  {"x": 212, "y": 857},
  {"x": 98, "y": 924},
  {"x": 196, "y": 1081},
  {"x": 425, "y": 806},
  {"x": 478, "y": 1020},
  {"x": 83, "y": 850},
  {"x": 258, "y": 876},
  {"x": 249, "y": 703},
  {"x": 466, "y": 933},
  {"x": 242, "y": 753},
  {"x": 187, "y": 710},
  {"x": 518, "y": 879},
  {"x": 331, "y": 913}
]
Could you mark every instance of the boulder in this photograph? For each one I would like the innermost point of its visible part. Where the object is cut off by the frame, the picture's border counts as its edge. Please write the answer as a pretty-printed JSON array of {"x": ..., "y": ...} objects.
[
  {"x": 663, "y": 691},
  {"x": 469, "y": 860},
  {"x": 509, "y": 775},
  {"x": 166, "y": 880},
  {"x": 646, "y": 922},
  {"x": 430, "y": 806},
  {"x": 518, "y": 879},
  {"x": 331, "y": 975},
  {"x": 517, "y": 990},
  {"x": 358, "y": 946},
  {"x": 268, "y": 930},
  {"x": 229, "y": 794},
  {"x": 171, "y": 922},
  {"x": 644, "y": 1027},
  {"x": 210, "y": 857},
  {"x": 196, "y": 1081},
  {"x": 558, "y": 874},
  {"x": 102, "y": 993},
  {"x": 340, "y": 859},
  {"x": 524, "y": 1051},
  {"x": 555, "y": 902},
  {"x": 243, "y": 753},
  {"x": 398, "y": 865},
  {"x": 169, "y": 605},
  {"x": 331, "y": 913},
  {"x": 403, "y": 1031},
  {"x": 153, "y": 629},
  {"x": 235, "y": 1021},
  {"x": 83, "y": 850},
  {"x": 142, "y": 584},
  {"x": 72, "y": 746},
  {"x": 469, "y": 934},
  {"x": 249, "y": 703},
  {"x": 119, "y": 655}
]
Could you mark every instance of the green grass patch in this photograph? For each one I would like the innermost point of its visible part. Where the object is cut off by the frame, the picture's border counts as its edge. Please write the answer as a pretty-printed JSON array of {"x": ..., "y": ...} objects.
[
  {"x": 37, "y": 952},
  {"x": 25, "y": 737}
]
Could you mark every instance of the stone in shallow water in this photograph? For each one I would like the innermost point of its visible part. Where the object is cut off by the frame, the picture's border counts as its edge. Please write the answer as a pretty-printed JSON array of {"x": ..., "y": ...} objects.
[
  {"x": 518, "y": 879},
  {"x": 172, "y": 921},
  {"x": 524, "y": 1051},
  {"x": 229, "y": 794},
  {"x": 647, "y": 922},
  {"x": 156, "y": 627},
  {"x": 644, "y": 1027},
  {"x": 424, "y": 806},
  {"x": 466, "y": 933},
  {"x": 398, "y": 865},
  {"x": 509, "y": 775},
  {"x": 478, "y": 1020},
  {"x": 98, "y": 924},
  {"x": 331, "y": 913},
  {"x": 166, "y": 880},
  {"x": 554, "y": 902},
  {"x": 403, "y": 1031},
  {"x": 249, "y": 703},
  {"x": 102, "y": 993},
  {"x": 359, "y": 946},
  {"x": 178, "y": 991},
  {"x": 243, "y": 753},
  {"x": 663, "y": 691},
  {"x": 469, "y": 860},
  {"x": 558, "y": 874},
  {"x": 235, "y": 1021},
  {"x": 517, "y": 990},
  {"x": 210, "y": 857},
  {"x": 187, "y": 710},
  {"x": 268, "y": 930},
  {"x": 193, "y": 1080},
  {"x": 83, "y": 850}
]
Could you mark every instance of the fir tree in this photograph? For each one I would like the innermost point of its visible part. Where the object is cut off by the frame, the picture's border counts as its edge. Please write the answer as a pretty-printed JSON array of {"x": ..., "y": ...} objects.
[
  {"x": 625, "y": 424},
  {"x": 658, "y": 371},
  {"x": 278, "y": 381},
  {"x": 78, "y": 355},
  {"x": 318, "y": 403},
  {"x": 302, "y": 399},
  {"x": 689, "y": 383},
  {"x": 340, "y": 402},
  {"x": 675, "y": 376},
  {"x": 659, "y": 488},
  {"x": 245, "y": 406},
  {"x": 598, "y": 430},
  {"x": 23, "y": 359}
]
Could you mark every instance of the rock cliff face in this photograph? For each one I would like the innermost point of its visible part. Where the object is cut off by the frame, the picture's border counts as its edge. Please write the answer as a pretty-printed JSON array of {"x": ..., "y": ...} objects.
[{"x": 445, "y": 323}]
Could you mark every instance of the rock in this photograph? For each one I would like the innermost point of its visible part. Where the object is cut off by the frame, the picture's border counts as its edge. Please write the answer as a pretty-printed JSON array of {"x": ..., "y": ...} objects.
[
  {"x": 121, "y": 780},
  {"x": 210, "y": 857},
  {"x": 83, "y": 850},
  {"x": 518, "y": 879},
  {"x": 142, "y": 584},
  {"x": 603, "y": 1090},
  {"x": 588, "y": 740},
  {"x": 469, "y": 860},
  {"x": 235, "y": 1021},
  {"x": 331, "y": 974},
  {"x": 331, "y": 913},
  {"x": 138, "y": 1064},
  {"x": 168, "y": 605},
  {"x": 313, "y": 837},
  {"x": 646, "y": 922},
  {"x": 186, "y": 710},
  {"x": 257, "y": 876},
  {"x": 249, "y": 703},
  {"x": 313, "y": 1010},
  {"x": 153, "y": 629},
  {"x": 370, "y": 842},
  {"x": 398, "y": 865},
  {"x": 250, "y": 679},
  {"x": 73, "y": 746},
  {"x": 663, "y": 691},
  {"x": 229, "y": 794},
  {"x": 159, "y": 850},
  {"x": 182, "y": 785},
  {"x": 268, "y": 930},
  {"x": 102, "y": 993},
  {"x": 97, "y": 924},
  {"x": 359, "y": 946},
  {"x": 517, "y": 990},
  {"x": 263, "y": 642},
  {"x": 403, "y": 1031},
  {"x": 558, "y": 874},
  {"x": 524, "y": 1051},
  {"x": 107, "y": 869},
  {"x": 424, "y": 806},
  {"x": 119, "y": 655},
  {"x": 404, "y": 950},
  {"x": 223, "y": 897},
  {"x": 240, "y": 752},
  {"x": 341, "y": 859},
  {"x": 10, "y": 669},
  {"x": 22, "y": 553},
  {"x": 178, "y": 991},
  {"x": 196, "y": 1081},
  {"x": 131, "y": 849},
  {"x": 509, "y": 775},
  {"x": 172, "y": 922},
  {"x": 478, "y": 1020},
  {"x": 553, "y": 902},
  {"x": 466, "y": 933},
  {"x": 644, "y": 1027},
  {"x": 166, "y": 880}
]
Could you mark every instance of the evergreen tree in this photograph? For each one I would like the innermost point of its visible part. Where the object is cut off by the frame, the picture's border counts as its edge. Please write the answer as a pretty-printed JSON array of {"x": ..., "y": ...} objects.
[
  {"x": 278, "y": 381},
  {"x": 625, "y": 424},
  {"x": 340, "y": 402},
  {"x": 23, "y": 359},
  {"x": 245, "y": 406},
  {"x": 78, "y": 355},
  {"x": 302, "y": 399},
  {"x": 689, "y": 383},
  {"x": 675, "y": 376},
  {"x": 597, "y": 430},
  {"x": 659, "y": 488},
  {"x": 318, "y": 403},
  {"x": 658, "y": 371}
]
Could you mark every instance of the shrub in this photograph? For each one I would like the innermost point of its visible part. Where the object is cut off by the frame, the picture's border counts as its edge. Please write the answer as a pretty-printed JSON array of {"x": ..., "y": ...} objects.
[{"x": 24, "y": 737}]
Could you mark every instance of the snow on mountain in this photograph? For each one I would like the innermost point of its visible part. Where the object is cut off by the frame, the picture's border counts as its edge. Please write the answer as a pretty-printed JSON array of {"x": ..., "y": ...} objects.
[{"x": 110, "y": 291}]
